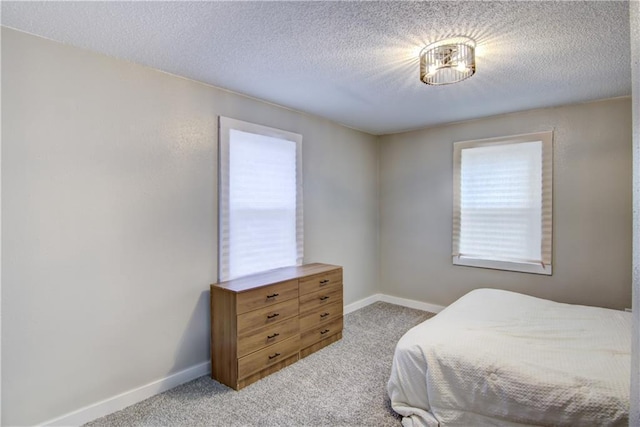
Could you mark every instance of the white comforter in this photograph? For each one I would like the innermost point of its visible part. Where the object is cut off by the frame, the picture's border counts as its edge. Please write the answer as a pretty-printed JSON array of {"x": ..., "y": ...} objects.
[{"x": 501, "y": 358}]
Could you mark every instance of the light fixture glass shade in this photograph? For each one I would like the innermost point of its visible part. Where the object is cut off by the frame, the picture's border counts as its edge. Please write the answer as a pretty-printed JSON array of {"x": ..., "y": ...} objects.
[{"x": 448, "y": 61}]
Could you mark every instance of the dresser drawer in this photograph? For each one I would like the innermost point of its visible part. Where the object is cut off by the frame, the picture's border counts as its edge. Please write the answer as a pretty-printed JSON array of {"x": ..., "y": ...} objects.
[
  {"x": 266, "y": 296},
  {"x": 320, "y": 281},
  {"x": 321, "y": 316},
  {"x": 314, "y": 335},
  {"x": 266, "y": 316},
  {"x": 264, "y": 358},
  {"x": 310, "y": 302},
  {"x": 254, "y": 340}
]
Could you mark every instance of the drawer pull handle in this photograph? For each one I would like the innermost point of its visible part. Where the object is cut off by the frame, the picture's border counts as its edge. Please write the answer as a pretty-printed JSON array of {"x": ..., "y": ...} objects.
[
  {"x": 271, "y": 316},
  {"x": 324, "y": 298},
  {"x": 324, "y": 314},
  {"x": 324, "y": 332},
  {"x": 324, "y": 282},
  {"x": 273, "y": 356},
  {"x": 272, "y": 296},
  {"x": 273, "y": 336}
]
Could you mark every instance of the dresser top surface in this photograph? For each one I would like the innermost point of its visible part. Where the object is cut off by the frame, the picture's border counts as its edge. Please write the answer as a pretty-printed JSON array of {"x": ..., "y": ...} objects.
[{"x": 270, "y": 277}]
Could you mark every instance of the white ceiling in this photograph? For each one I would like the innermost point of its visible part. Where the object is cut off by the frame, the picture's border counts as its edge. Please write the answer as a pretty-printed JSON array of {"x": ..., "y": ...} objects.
[{"x": 357, "y": 62}]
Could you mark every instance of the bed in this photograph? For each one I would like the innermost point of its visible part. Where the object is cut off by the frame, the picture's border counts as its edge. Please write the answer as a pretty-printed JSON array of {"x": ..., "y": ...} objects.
[{"x": 499, "y": 358}]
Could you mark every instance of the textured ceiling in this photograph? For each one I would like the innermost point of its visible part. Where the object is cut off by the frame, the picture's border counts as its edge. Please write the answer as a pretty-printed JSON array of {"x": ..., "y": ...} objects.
[{"x": 357, "y": 62}]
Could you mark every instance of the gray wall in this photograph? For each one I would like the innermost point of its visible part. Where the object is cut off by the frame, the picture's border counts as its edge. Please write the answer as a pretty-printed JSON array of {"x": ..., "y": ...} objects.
[
  {"x": 109, "y": 220},
  {"x": 634, "y": 9},
  {"x": 592, "y": 208}
]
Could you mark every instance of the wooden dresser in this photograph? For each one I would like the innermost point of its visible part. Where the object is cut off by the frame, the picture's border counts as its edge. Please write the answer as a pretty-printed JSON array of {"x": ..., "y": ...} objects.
[{"x": 264, "y": 322}]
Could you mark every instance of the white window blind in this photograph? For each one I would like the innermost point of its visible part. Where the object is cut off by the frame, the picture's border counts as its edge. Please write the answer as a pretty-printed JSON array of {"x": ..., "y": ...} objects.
[
  {"x": 260, "y": 199},
  {"x": 502, "y": 203}
]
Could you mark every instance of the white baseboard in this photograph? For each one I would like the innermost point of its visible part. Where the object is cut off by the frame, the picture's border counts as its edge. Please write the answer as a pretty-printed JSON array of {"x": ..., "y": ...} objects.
[
  {"x": 128, "y": 398},
  {"x": 418, "y": 305},
  {"x": 361, "y": 303}
]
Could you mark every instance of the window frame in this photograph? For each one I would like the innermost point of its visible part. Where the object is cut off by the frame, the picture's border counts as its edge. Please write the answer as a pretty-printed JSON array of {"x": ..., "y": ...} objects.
[
  {"x": 544, "y": 266},
  {"x": 225, "y": 125}
]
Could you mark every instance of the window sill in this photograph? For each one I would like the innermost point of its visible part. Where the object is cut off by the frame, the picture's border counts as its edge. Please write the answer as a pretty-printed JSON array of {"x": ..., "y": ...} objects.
[{"x": 522, "y": 267}]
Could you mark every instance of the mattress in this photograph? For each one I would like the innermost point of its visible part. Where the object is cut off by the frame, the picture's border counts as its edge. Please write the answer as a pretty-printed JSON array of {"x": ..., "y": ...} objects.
[{"x": 499, "y": 358}]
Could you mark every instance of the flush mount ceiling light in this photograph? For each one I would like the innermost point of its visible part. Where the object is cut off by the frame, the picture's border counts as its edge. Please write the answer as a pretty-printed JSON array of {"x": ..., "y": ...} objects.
[{"x": 448, "y": 61}]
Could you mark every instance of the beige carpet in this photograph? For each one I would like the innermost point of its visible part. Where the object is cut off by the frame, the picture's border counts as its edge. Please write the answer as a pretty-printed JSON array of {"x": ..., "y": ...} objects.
[{"x": 343, "y": 384}]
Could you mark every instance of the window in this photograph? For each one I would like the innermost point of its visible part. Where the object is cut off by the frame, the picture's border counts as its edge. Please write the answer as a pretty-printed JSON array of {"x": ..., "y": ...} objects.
[
  {"x": 502, "y": 203},
  {"x": 260, "y": 198}
]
